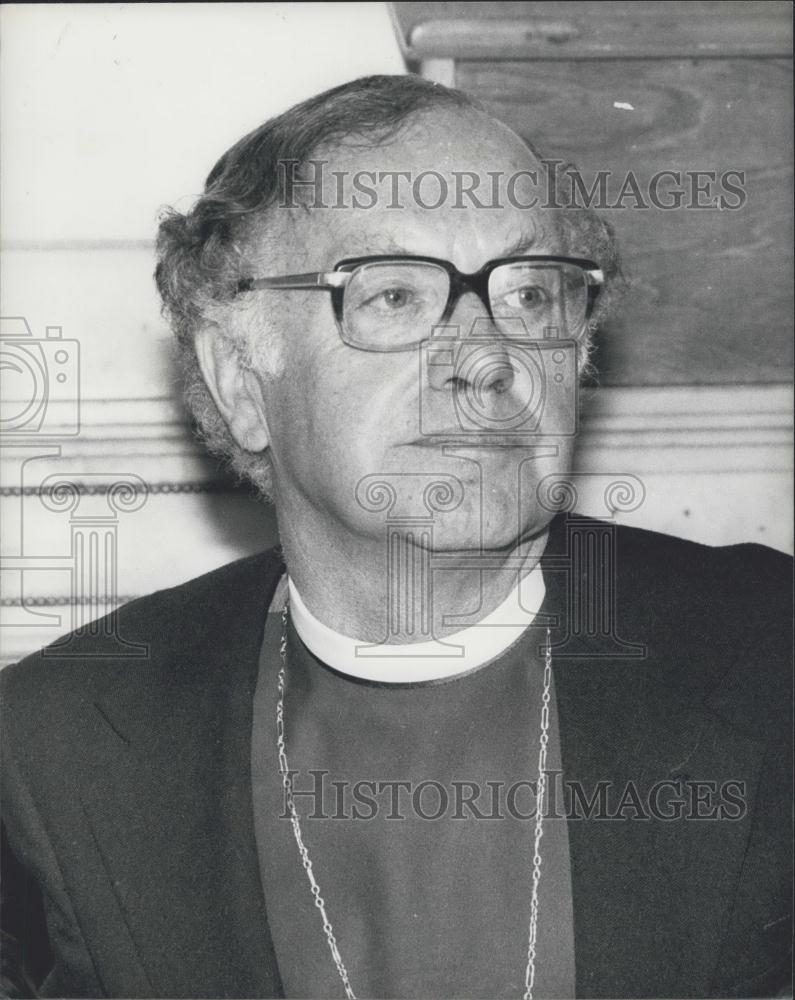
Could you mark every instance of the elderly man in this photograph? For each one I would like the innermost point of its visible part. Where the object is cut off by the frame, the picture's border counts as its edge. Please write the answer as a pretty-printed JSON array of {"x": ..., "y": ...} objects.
[{"x": 446, "y": 743}]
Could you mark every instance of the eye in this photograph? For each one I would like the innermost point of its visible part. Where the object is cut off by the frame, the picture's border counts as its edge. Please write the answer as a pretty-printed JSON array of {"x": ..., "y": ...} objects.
[
  {"x": 528, "y": 298},
  {"x": 396, "y": 297},
  {"x": 391, "y": 299}
]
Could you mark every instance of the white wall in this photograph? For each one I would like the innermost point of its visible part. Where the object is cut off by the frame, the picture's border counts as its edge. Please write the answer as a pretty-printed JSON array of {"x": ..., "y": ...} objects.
[{"x": 110, "y": 110}]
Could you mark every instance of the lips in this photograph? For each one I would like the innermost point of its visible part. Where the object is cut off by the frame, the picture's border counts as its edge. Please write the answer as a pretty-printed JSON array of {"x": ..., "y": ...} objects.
[{"x": 464, "y": 440}]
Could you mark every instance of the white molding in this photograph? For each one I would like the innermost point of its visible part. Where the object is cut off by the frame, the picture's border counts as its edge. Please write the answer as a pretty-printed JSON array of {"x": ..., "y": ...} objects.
[
  {"x": 689, "y": 428},
  {"x": 741, "y": 428}
]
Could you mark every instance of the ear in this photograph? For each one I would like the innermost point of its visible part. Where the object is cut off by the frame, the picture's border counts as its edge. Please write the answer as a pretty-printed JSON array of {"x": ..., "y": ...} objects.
[{"x": 236, "y": 391}]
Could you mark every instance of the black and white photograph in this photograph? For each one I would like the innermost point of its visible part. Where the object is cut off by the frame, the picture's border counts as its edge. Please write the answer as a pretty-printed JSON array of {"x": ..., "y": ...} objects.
[{"x": 396, "y": 488}]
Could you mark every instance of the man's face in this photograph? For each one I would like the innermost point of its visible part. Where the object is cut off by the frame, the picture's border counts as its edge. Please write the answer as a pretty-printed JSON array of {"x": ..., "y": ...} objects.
[{"x": 338, "y": 415}]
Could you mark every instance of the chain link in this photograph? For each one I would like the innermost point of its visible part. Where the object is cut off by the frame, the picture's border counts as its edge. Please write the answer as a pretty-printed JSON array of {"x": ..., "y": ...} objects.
[
  {"x": 530, "y": 971},
  {"x": 287, "y": 783}
]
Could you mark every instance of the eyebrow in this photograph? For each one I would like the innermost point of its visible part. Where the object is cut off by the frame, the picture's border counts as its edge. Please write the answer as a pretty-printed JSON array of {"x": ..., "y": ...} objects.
[
  {"x": 378, "y": 245},
  {"x": 522, "y": 245}
]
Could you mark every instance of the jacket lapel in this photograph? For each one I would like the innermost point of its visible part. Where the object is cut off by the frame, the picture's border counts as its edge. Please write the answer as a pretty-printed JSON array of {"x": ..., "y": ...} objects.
[
  {"x": 171, "y": 807},
  {"x": 651, "y": 895}
]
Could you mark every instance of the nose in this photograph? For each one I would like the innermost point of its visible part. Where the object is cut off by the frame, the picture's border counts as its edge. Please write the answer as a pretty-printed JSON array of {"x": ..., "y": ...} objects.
[{"x": 471, "y": 354}]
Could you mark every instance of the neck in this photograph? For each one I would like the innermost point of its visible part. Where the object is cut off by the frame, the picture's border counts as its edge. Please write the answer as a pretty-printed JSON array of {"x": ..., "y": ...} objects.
[
  {"x": 395, "y": 590},
  {"x": 419, "y": 662}
]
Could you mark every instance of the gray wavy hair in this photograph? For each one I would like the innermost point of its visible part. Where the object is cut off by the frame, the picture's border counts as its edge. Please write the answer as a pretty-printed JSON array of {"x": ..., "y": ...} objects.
[{"x": 202, "y": 254}]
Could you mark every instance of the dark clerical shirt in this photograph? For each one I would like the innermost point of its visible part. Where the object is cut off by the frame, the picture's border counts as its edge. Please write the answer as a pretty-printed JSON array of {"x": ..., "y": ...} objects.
[{"x": 419, "y": 822}]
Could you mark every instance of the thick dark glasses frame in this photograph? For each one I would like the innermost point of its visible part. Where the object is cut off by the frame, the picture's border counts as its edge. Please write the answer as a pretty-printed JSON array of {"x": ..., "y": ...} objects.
[{"x": 460, "y": 283}]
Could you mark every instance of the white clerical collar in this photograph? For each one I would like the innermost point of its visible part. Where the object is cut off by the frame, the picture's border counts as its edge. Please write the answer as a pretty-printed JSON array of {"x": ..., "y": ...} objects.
[{"x": 411, "y": 663}]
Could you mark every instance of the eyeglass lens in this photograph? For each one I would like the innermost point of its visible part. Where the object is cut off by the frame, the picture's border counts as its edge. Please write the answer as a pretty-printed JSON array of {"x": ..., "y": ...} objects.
[{"x": 387, "y": 304}]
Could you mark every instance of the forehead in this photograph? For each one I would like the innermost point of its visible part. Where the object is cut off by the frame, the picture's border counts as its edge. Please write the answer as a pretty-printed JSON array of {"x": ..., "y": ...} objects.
[{"x": 452, "y": 185}]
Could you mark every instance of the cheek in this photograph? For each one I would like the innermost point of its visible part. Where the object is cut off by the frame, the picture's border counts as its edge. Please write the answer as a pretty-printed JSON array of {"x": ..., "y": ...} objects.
[
  {"x": 363, "y": 398},
  {"x": 546, "y": 481},
  {"x": 336, "y": 413}
]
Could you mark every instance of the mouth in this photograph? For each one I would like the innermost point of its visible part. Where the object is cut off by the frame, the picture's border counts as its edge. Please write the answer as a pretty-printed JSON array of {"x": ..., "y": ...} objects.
[{"x": 459, "y": 439}]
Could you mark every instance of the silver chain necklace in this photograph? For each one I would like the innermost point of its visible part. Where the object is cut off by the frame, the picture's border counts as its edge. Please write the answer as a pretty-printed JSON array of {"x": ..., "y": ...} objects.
[{"x": 287, "y": 783}]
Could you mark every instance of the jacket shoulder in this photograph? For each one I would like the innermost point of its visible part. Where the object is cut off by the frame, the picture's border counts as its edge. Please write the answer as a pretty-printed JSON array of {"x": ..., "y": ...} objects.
[
  {"x": 725, "y": 615},
  {"x": 731, "y": 588},
  {"x": 751, "y": 561},
  {"x": 160, "y": 631},
  {"x": 711, "y": 622},
  {"x": 678, "y": 570}
]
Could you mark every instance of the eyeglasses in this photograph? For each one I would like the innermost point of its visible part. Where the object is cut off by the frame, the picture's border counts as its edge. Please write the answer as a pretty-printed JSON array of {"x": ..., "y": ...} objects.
[{"x": 393, "y": 303}]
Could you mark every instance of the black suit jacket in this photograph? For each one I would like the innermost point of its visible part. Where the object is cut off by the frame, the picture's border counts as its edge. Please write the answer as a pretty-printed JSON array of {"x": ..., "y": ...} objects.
[{"x": 127, "y": 788}]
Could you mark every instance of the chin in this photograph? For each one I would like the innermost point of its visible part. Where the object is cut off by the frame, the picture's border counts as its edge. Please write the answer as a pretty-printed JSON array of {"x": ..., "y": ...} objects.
[
  {"x": 466, "y": 532},
  {"x": 505, "y": 539}
]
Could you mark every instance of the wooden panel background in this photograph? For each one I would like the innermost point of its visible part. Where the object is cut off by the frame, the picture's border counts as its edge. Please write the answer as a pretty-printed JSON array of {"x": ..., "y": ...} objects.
[
  {"x": 558, "y": 29},
  {"x": 711, "y": 291}
]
